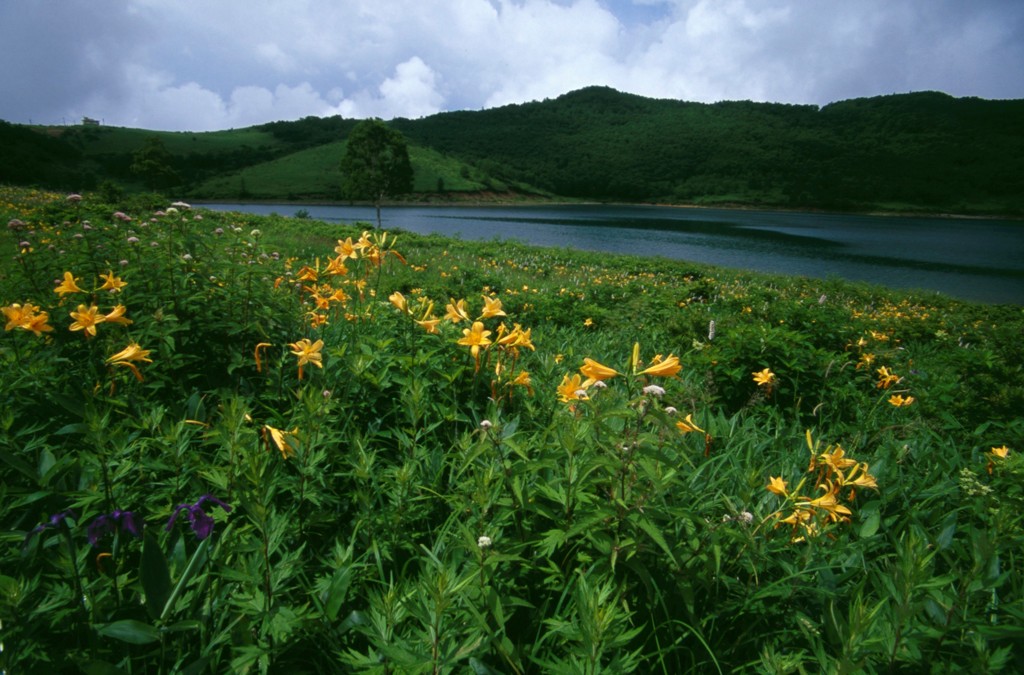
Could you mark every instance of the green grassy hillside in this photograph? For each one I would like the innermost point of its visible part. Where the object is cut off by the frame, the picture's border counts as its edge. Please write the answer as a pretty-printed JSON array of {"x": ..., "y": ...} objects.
[{"x": 912, "y": 152}]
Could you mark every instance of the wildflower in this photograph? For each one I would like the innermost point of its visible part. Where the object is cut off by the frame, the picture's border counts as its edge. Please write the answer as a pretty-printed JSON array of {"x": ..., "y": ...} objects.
[
  {"x": 764, "y": 378},
  {"x": 572, "y": 389},
  {"x": 523, "y": 380},
  {"x": 486, "y": 424},
  {"x": 111, "y": 283},
  {"x": 837, "y": 459},
  {"x": 711, "y": 330},
  {"x": 429, "y": 324},
  {"x": 308, "y": 352},
  {"x": 858, "y": 477},
  {"x": 285, "y": 441},
  {"x": 123, "y": 217},
  {"x": 828, "y": 503},
  {"x": 688, "y": 425},
  {"x": 474, "y": 338},
  {"x": 595, "y": 372},
  {"x": 307, "y": 273},
  {"x": 56, "y": 520},
  {"x": 670, "y": 410},
  {"x": 745, "y": 517},
  {"x": 484, "y": 541},
  {"x": 455, "y": 311},
  {"x": 86, "y": 319},
  {"x": 116, "y": 315},
  {"x": 777, "y": 486},
  {"x": 886, "y": 378},
  {"x": 109, "y": 522},
  {"x": 202, "y": 522},
  {"x": 399, "y": 301},
  {"x": 1001, "y": 452},
  {"x": 69, "y": 285},
  {"x": 19, "y": 316},
  {"x": 899, "y": 401},
  {"x": 181, "y": 205},
  {"x": 346, "y": 249},
  {"x": 654, "y": 390},
  {"x": 129, "y": 356},
  {"x": 663, "y": 368},
  {"x": 133, "y": 240},
  {"x": 492, "y": 308},
  {"x": 74, "y": 198},
  {"x": 336, "y": 267}
]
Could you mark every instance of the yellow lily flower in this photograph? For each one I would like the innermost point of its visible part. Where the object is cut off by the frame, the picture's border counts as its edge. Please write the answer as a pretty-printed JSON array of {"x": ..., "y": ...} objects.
[
  {"x": 346, "y": 249},
  {"x": 336, "y": 267},
  {"x": 284, "y": 440},
  {"x": 837, "y": 459},
  {"x": 663, "y": 368},
  {"x": 475, "y": 338},
  {"x": 429, "y": 324},
  {"x": 1002, "y": 452},
  {"x": 688, "y": 425},
  {"x": 111, "y": 283},
  {"x": 38, "y": 323},
  {"x": 764, "y": 377},
  {"x": 117, "y": 316},
  {"x": 128, "y": 356},
  {"x": 595, "y": 372},
  {"x": 69, "y": 285},
  {"x": 572, "y": 389},
  {"x": 455, "y": 311},
  {"x": 900, "y": 402},
  {"x": 308, "y": 352},
  {"x": 399, "y": 301},
  {"x": 86, "y": 319},
  {"x": 777, "y": 486},
  {"x": 492, "y": 308}
]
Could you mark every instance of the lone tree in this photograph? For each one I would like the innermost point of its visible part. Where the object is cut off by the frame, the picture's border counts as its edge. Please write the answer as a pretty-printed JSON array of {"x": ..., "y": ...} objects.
[
  {"x": 376, "y": 164},
  {"x": 153, "y": 163}
]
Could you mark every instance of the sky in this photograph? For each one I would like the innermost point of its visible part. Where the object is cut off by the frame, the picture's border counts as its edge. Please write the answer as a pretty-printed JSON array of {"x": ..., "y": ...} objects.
[{"x": 203, "y": 65}]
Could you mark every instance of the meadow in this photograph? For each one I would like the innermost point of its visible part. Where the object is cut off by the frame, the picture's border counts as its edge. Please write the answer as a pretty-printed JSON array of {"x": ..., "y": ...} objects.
[{"x": 234, "y": 443}]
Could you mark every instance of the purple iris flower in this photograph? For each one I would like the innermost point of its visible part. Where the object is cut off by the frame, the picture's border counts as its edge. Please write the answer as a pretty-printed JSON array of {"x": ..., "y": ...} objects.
[
  {"x": 109, "y": 522},
  {"x": 56, "y": 520},
  {"x": 202, "y": 522}
]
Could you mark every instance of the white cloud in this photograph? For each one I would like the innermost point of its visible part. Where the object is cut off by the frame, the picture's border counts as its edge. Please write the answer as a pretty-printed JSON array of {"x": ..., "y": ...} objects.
[{"x": 192, "y": 64}]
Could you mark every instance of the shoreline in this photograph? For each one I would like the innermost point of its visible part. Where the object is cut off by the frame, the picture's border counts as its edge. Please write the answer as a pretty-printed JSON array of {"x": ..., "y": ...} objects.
[{"x": 512, "y": 203}]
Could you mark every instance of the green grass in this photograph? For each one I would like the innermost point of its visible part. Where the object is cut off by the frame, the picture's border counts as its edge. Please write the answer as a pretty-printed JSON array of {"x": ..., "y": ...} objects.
[{"x": 396, "y": 504}]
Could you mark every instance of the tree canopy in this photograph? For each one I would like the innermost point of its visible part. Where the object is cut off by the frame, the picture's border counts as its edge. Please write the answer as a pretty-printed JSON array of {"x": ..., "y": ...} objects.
[{"x": 376, "y": 164}]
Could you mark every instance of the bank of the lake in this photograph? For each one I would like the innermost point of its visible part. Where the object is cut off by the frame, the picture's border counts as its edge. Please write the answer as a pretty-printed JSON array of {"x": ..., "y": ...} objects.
[{"x": 977, "y": 259}]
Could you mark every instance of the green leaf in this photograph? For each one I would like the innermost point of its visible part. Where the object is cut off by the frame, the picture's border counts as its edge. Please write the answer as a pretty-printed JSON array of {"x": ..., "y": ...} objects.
[
  {"x": 156, "y": 579},
  {"x": 869, "y": 527},
  {"x": 129, "y": 630}
]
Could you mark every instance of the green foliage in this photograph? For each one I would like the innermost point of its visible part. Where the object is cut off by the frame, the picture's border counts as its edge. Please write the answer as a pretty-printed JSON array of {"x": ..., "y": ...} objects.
[
  {"x": 923, "y": 151},
  {"x": 375, "y": 164},
  {"x": 398, "y": 504},
  {"x": 153, "y": 162}
]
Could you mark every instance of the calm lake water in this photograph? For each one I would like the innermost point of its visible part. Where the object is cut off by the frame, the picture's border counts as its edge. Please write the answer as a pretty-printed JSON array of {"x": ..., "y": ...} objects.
[{"x": 971, "y": 259}]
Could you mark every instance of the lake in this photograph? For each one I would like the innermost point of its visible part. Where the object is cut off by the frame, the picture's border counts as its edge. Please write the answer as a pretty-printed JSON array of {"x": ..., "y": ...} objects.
[{"x": 972, "y": 259}]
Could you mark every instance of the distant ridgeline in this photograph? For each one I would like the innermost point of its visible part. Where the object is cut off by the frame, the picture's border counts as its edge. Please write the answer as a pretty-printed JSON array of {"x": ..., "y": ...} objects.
[{"x": 921, "y": 151}]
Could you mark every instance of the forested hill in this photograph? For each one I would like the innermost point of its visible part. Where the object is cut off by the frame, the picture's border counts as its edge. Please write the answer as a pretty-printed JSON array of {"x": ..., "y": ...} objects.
[
  {"x": 925, "y": 150},
  {"x": 922, "y": 151}
]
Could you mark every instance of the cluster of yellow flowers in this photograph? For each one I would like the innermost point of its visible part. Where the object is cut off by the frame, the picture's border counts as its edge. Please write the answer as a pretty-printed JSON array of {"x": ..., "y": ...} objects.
[
  {"x": 887, "y": 378},
  {"x": 832, "y": 473},
  {"x": 575, "y": 387},
  {"x": 30, "y": 317},
  {"x": 503, "y": 350}
]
